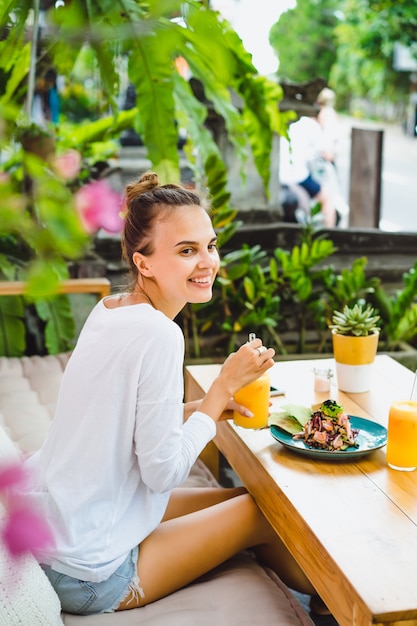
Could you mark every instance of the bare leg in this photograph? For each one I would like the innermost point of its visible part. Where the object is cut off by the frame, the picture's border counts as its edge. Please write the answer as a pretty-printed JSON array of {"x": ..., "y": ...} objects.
[
  {"x": 186, "y": 546},
  {"x": 186, "y": 500},
  {"x": 327, "y": 207}
]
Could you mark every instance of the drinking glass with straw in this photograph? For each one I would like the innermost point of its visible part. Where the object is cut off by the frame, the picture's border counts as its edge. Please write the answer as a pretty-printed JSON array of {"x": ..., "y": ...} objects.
[
  {"x": 255, "y": 397},
  {"x": 402, "y": 433}
]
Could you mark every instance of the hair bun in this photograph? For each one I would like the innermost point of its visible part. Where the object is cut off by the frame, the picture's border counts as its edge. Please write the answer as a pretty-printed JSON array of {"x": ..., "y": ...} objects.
[
  {"x": 151, "y": 179},
  {"x": 147, "y": 182}
]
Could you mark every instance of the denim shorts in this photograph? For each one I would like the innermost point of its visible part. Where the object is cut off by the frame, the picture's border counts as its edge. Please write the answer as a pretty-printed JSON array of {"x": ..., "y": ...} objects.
[
  {"x": 86, "y": 598},
  {"x": 311, "y": 186}
]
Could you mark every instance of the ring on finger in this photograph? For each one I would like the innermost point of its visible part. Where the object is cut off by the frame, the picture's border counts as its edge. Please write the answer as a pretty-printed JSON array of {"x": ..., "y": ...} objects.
[{"x": 260, "y": 350}]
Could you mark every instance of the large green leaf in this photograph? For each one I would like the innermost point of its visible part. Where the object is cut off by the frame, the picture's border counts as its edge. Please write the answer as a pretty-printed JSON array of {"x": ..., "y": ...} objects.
[
  {"x": 43, "y": 280},
  {"x": 59, "y": 322},
  {"x": 12, "y": 326},
  {"x": 18, "y": 65},
  {"x": 84, "y": 134},
  {"x": 151, "y": 70},
  {"x": 192, "y": 115}
]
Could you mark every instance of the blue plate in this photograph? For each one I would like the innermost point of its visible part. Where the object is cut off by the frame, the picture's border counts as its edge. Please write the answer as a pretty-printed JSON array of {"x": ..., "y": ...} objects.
[{"x": 371, "y": 436}]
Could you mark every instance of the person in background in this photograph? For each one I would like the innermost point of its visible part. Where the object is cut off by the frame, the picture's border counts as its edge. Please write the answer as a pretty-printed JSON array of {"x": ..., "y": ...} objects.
[
  {"x": 329, "y": 123},
  {"x": 298, "y": 157},
  {"x": 122, "y": 440},
  {"x": 52, "y": 103},
  {"x": 46, "y": 101},
  {"x": 326, "y": 165}
]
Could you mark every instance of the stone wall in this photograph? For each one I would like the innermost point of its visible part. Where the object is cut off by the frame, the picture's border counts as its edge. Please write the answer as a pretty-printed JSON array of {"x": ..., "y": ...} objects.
[{"x": 389, "y": 254}]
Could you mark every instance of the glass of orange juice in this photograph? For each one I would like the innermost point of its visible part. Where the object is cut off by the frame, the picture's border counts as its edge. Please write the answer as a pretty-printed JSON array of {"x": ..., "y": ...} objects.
[
  {"x": 402, "y": 436},
  {"x": 254, "y": 397}
]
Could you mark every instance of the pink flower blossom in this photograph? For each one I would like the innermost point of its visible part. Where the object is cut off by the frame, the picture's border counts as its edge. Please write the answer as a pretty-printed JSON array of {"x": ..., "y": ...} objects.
[
  {"x": 25, "y": 531},
  {"x": 12, "y": 476},
  {"x": 99, "y": 206},
  {"x": 68, "y": 164}
]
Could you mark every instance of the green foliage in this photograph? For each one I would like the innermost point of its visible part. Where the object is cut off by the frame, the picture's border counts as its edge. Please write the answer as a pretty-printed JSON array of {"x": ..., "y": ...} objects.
[
  {"x": 252, "y": 303},
  {"x": 41, "y": 326},
  {"x": 304, "y": 39},
  {"x": 12, "y": 326},
  {"x": 365, "y": 45},
  {"x": 59, "y": 329},
  {"x": 355, "y": 321},
  {"x": 299, "y": 275},
  {"x": 350, "y": 286},
  {"x": 398, "y": 310},
  {"x": 295, "y": 267},
  {"x": 151, "y": 40},
  {"x": 349, "y": 43},
  {"x": 223, "y": 217}
]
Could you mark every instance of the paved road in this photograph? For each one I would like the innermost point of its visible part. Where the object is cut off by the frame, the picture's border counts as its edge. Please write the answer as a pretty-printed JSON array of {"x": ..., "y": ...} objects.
[{"x": 399, "y": 173}]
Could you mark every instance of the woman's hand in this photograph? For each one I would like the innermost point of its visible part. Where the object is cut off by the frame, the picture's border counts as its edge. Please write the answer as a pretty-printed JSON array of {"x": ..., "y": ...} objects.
[
  {"x": 246, "y": 365},
  {"x": 231, "y": 406},
  {"x": 239, "y": 369}
]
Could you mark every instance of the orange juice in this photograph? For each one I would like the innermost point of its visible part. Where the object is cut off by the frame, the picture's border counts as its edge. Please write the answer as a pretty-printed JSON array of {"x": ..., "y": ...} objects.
[
  {"x": 254, "y": 397},
  {"x": 402, "y": 435}
]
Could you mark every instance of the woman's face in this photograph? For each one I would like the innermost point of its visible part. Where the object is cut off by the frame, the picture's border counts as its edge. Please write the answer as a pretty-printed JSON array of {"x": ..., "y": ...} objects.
[{"x": 185, "y": 260}]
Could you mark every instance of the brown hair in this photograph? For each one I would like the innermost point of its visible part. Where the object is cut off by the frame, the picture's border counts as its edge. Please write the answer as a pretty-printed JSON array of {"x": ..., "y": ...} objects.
[{"x": 146, "y": 200}]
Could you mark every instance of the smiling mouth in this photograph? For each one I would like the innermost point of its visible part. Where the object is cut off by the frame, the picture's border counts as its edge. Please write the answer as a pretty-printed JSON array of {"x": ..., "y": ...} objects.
[{"x": 201, "y": 281}]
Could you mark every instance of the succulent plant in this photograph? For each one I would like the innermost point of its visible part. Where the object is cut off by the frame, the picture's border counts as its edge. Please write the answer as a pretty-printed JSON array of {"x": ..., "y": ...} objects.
[{"x": 355, "y": 321}]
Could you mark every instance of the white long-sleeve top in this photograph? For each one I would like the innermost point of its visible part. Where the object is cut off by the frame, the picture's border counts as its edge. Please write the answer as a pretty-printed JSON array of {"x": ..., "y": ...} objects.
[{"x": 117, "y": 445}]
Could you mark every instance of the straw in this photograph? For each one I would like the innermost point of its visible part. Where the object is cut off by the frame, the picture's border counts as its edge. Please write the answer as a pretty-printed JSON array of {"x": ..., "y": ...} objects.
[
  {"x": 252, "y": 336},
  {"x": 414, "y": 386}
]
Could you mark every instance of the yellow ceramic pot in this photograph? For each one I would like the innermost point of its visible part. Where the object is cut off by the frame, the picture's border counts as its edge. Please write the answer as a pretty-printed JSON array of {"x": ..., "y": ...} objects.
[{"x": 354, "y": 357}]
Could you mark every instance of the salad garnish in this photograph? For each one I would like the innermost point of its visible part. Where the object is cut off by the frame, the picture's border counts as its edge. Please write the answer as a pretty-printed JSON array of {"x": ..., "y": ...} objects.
[{"x": 329, "y": 428}]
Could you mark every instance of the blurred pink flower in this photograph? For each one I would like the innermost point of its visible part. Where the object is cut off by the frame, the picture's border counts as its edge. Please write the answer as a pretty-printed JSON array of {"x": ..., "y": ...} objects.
[
  {"x": 68, "y": 164},
  {"x": 99, "y": 206},
  {"x": 12, "y": 476},
  {"x": 25, "y": 531}
]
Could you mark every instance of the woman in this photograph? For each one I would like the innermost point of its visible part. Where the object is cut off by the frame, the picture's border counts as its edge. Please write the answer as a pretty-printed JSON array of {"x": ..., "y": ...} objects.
[{"x": 122, "y": 441}]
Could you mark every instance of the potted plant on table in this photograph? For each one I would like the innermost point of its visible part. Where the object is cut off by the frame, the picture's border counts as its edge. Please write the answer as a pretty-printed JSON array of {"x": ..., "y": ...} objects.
[{"x": 355, "y": 335}]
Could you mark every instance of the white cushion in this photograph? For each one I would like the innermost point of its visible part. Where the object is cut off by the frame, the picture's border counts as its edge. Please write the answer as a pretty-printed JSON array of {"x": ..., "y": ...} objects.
[
  {"x": 9, "y": 452},
  {"x": 26, "y": 596}
]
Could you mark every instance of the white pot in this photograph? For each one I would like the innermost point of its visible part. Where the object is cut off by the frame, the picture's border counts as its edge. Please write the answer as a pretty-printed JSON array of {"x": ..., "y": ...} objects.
[
  {"x": 354, "y": 358},
  {"x": 354, "y": 378}
]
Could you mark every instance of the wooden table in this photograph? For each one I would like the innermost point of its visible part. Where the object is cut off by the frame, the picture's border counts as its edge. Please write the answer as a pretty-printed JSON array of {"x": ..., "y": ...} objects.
[{"x": 351, "y": 525}]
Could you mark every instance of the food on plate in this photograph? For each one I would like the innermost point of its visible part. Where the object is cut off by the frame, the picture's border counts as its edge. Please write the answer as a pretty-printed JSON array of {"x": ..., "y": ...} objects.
[
  {"x": 326, "y": 427},
  {"x": 290, "y": 417},
  {"x": 329, "y": 428}
]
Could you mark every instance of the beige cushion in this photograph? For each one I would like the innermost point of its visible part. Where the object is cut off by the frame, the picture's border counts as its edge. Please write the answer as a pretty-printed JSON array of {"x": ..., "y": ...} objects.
[
  {"x": 28, "y": 394},
  {"x": 237, "y": 593}
]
